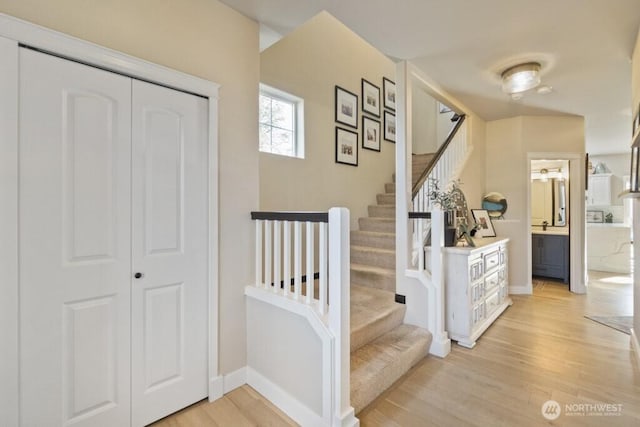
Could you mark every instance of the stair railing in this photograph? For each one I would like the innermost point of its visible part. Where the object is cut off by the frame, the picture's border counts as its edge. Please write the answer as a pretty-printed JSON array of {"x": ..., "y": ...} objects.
[
  {"x": 428, "y": 220},
  {"x": 302, "y": 265}
]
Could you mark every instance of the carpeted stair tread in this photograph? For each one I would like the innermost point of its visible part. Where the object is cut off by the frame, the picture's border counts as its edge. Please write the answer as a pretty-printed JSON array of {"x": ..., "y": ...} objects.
[
  {"x": 374, "y": 277},
  {"x": 377, "y": 365},
  {"x": 377, "y": 257},
  {"x": 373, "y": 313},
  {"x": 382, "y": 211},
  {"x": 390, "y": 188},
  {"x": 387, "y": 225},
  {"x": 386, "y": 199},
  {"x": 377, "y": 239}
]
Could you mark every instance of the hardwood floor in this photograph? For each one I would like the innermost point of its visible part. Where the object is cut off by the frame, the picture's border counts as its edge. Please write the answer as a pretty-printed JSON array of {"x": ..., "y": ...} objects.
[{"x": 542, "y": 348}]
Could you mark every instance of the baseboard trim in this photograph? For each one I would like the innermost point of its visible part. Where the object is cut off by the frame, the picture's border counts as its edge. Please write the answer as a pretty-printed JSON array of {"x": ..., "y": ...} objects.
[
  {"x": 235, "y": 379},
  {"x": 519, "y": 290},
  {"x": 636, "y": 346},
  {"x": 299, "y": 412}
]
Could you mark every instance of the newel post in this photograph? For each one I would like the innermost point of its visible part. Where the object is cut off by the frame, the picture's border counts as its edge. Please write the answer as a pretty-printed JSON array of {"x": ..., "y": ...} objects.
[
  {"x": 437, "y": 276},
  {"x": 339, "y": 313}
]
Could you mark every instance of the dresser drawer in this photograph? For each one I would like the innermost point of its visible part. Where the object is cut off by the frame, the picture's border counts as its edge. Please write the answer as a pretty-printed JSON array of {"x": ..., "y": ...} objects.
[
  {"x": 491, "y": 260},
  {"x": 492, "y": 303},
  {"x": 491, "y": 282},
  {"x": 477, "y": 292},
  {"x": 475, "y": 270}
]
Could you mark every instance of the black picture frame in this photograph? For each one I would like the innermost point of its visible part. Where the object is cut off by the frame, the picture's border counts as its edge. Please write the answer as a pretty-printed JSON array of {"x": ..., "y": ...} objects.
[
  {"x": 346, "y": 147},
  {"x": 389, "y": 94},
  {"x": 346, "y": 107},
  {"x": 482, "y": 218},
  {"x": 370, "y": 134},
  {"x": 389, "y": 126},
  {"x": 370, "y": 94}
]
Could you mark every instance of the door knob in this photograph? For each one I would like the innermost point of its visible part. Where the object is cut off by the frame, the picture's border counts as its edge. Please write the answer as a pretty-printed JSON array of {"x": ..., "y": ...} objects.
[{"x": 138, "y": 275}]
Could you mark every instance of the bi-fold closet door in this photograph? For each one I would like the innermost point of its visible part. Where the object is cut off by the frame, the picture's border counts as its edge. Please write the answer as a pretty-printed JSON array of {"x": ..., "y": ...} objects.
[{"x": 113, "y": 246}]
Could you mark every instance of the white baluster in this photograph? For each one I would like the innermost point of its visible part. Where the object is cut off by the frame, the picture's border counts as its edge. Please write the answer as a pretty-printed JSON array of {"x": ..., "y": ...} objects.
[
  {"x": 323, "y": 267},
  {"x": 259, "y": 253},
  {"x": 309, "y": 236},
  {"x": 297, "y": 259},
  {"x": 287, "y": 258},
  {"x": 267, "y": 254},
  {"x": 276, "y": 256},
  {"x": 421, "y": 244}
]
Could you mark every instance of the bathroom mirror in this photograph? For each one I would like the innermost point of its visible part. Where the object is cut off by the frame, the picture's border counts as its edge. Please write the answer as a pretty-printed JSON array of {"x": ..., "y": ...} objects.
[{"x": 549, "y": 202}]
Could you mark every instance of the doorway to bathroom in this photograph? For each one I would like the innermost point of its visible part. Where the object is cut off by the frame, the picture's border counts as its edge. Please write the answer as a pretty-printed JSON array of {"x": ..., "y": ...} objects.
[
  {"x": 555, "y": 221},
  {"x": 550, "y": 223}
]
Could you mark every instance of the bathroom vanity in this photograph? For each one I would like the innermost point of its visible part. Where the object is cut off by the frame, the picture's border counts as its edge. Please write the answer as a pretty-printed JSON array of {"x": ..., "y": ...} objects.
[{"x": 550, "y": 253}]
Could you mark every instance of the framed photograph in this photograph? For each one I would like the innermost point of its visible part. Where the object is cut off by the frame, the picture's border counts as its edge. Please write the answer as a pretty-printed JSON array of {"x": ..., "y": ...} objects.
[
  {"x": 389, "y": 127},
  {"x": 482, "y": 218},
  {"x": 389, "y": 94},
  {"x": 633, "y": 179},
  {"x": 595, "y": 216},
  {"x": 346, "y": 107},
  {"x": 370, "y": 98},
  {"x": 346, "y": 147},
  {"x": 370, "y": 134}
]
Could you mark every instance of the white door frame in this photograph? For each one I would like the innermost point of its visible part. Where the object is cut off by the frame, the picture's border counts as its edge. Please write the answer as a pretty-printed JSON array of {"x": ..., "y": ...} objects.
[
  {"x": 14, "y": 32},
  {"x": 577, "y": 266}
]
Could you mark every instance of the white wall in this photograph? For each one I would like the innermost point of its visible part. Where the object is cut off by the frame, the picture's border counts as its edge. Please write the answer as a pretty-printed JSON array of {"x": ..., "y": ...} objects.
[
  {"x": 210, "y": 40},
  {"x": 308, "y": 63},
  {"x": 635, "y": 99},
  {"x": 510, "y": 142},
  {"x": 287, "y": 351}
]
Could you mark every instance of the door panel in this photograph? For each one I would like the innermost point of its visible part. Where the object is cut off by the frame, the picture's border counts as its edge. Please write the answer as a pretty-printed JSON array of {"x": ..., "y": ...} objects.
[
  {"x": 169, "y": 341},
  {"x": 74, "y": 202}
]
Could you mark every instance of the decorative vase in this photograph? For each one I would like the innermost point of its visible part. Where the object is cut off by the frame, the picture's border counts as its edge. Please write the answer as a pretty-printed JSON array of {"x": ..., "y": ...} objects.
[{"x": 450, "y": 228}]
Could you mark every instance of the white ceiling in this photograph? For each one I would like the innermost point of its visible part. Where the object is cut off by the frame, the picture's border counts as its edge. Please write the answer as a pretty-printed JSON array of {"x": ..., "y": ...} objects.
[{"x": 584, "y": 47}]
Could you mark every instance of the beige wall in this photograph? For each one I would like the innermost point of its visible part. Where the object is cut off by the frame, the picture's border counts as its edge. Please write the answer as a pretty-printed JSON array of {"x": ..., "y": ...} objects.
[
  {"x": 308, "y": 63},
  {"x": 635, "y": 90},
  {"x": 472, "y": 180},
  {"x": 207, "y": 39},
  {"x": 509, "y": 142}
]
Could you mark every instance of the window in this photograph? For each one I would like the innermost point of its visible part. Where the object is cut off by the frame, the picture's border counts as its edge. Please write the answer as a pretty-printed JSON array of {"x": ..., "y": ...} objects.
[{"x": 281, "y": 124}]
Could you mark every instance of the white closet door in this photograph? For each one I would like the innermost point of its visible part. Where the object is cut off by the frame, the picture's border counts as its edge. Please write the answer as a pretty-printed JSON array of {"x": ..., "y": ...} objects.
[
  {"x": 74, "y": 202},
  {"x": 169, "y": 299}
]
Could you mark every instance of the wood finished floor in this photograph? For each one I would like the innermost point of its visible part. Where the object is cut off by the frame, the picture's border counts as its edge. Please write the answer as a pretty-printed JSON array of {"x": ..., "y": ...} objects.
[{"x": 541, "y": 348}]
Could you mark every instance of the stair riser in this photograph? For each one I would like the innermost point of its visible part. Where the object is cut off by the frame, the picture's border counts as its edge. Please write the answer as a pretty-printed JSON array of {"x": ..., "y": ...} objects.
[
  {"x": 386, "y": 199},
  {"x": 382, "y": 211},
  {"x": 390, "y": 187},
  {"x": 377, "y": 328},
  {"x": 373, "y": 258},
  {"x": 384, "y": 241},
  {"x": 369, "y": 224},
  {"x": 374, "y": 280},
  {"x": 367, "y": 385}
]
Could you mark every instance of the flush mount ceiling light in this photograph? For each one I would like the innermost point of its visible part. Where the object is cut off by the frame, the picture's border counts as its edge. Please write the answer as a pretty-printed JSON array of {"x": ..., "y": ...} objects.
[{"x": 520, "y": 78}]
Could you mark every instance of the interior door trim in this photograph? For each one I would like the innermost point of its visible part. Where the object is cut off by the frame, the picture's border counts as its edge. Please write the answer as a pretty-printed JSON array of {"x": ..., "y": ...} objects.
[{"x": 13, "y": 33}]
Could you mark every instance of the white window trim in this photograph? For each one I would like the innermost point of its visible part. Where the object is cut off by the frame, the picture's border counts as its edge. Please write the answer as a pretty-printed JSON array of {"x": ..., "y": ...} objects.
[{"x": 298, "y": 126}]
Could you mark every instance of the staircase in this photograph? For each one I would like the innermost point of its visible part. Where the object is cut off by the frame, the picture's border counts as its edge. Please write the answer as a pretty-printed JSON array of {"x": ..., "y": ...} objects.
[{"x": 382, "y": 347}]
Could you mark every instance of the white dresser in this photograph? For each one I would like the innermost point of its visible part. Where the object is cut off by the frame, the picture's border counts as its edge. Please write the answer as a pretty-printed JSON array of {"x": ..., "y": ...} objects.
[{"x": 477, "y": 290}]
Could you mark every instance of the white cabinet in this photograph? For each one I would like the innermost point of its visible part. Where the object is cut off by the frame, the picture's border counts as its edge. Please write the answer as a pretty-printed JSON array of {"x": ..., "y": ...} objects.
[
  {"x": 599, "y": 190},
  {"x": 476, "y": 288}
]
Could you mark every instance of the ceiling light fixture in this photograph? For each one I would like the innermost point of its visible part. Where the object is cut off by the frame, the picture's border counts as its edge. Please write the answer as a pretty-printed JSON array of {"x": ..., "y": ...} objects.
[{"x": 521, "y": 78}]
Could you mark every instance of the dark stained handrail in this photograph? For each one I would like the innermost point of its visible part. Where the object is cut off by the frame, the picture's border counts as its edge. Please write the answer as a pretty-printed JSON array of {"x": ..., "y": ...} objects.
[
  {"x": 438, "y": 155},
  {"x": 291, "y": 216}
]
